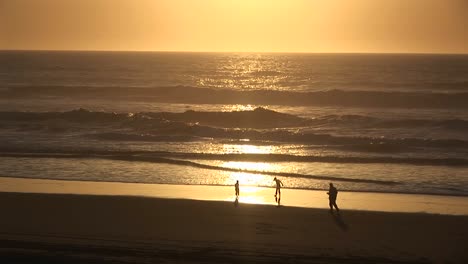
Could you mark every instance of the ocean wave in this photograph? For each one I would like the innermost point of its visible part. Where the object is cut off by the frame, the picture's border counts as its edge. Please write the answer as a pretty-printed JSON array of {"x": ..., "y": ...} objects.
[
  {"x": 257, "y": 118},
  {"x": 79, "y": 115},
  {"x": 362, "y": 121},
  {"x": 144, "y": 137},
  {"x": 196, "y": 95},
  {"x": 363, "y": 144},
  {"x": 156, "y": 155},
  {"x": 261, "y": 125},
  {"x": 159, "y": 159},
  {"x": 260, "y": 118}
]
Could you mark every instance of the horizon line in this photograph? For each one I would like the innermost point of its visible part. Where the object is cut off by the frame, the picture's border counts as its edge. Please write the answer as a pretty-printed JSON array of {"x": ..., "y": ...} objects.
[{"x": 246, "y": 52}]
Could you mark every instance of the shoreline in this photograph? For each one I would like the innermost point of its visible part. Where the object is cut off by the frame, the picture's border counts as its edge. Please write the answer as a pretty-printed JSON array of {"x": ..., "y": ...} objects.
[
  {"x": 71, "y": 228},
  {"x": 360, "y": 201},
  {"x": 244, "y": 186}
]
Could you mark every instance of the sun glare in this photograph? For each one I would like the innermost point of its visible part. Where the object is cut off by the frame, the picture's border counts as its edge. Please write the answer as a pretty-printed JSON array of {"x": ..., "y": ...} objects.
[
  {"x": 247, "y": 149},
  {"x": 247, "y": 178},
  {"x": 244, "y": 165},
  {"x": 249, "y": 192},
  {"x": 253, "y": 195},
  {"x": 238, "y": 107}
]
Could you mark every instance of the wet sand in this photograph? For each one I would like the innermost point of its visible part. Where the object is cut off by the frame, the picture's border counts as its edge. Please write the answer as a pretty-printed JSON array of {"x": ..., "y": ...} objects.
[
  {"x": 360, "y": 201},
  {"x": 49, "y": 228}
]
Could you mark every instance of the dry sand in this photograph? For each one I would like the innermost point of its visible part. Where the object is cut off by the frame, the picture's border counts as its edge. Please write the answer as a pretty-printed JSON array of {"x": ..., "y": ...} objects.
[{"x": 64, "y": 228}]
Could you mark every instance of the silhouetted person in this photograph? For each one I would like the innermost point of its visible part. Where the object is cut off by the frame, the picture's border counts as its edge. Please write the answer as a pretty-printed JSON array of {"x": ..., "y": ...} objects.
[
  {"x": 236, "y": 187},
  {"x": 332, "y": 193},
  {"x": 278, "y": 186}
]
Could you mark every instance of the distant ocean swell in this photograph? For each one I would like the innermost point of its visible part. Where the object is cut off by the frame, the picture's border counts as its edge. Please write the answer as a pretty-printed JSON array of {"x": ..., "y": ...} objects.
[{"x": 196, "y": 95}]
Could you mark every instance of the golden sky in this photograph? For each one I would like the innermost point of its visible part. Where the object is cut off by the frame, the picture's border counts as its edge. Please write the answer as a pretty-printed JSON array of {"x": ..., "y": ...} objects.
[{"x": 417, "y": 26}]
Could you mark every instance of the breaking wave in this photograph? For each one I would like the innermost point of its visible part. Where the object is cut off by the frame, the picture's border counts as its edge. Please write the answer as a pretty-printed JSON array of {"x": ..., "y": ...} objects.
[
  {"x": 195, "y": 95},
  {"x": 259, "y": 125},
  {"x": 257, "y": 118}
]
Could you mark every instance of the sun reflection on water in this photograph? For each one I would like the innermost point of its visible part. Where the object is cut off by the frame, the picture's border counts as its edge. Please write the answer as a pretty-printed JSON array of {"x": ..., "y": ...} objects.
[
  {"x": 246, "y": 72},
  {"x": 239, "y": 107},
  {"x": 247, "y": 178},
  {"x": 248, "y": 149},
  {"x": 246, "y": 165},
  {"x": 249, "y": 182}
]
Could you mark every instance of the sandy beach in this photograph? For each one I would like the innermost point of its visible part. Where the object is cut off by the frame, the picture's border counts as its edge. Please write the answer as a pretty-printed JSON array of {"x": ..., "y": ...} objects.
[
  {"x": 178, "y": 131},
  {"x": 317, "y": 199},
  {"x": 49, "y": 228}
]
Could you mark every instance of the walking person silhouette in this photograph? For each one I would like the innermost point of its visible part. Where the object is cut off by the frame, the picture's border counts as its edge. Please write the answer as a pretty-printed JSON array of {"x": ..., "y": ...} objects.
[
  {"x": 332, "y": 194},
  {"x": 236, "y": 187},
  {"x": 278, "y": 186}
]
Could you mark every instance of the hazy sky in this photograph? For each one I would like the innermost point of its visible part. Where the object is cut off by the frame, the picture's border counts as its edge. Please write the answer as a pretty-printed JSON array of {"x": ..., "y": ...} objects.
[{"x": 427, "y": 26}]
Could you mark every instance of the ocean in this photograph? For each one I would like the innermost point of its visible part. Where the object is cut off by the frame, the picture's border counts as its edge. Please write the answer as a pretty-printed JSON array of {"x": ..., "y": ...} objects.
[{"x": 389, "y": 123}]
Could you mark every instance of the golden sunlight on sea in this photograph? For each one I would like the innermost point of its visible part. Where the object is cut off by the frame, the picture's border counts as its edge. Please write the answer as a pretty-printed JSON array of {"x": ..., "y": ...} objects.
[
  {"x": 238, "y": 107},
  {"x": 245, "y": 165},
  {"x": 246, "y": 178},
  {"x": 249, "y": 192},
  {"x": 248, "y": 149}
]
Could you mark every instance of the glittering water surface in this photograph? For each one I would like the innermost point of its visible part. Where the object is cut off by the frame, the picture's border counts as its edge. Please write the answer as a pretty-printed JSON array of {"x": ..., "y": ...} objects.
[{"x": 382, "y": 123}]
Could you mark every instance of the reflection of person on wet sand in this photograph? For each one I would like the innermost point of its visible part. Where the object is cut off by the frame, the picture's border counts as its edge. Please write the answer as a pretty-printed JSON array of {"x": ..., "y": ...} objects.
[
  {"x": 236, "y": 187},
  {"x": 278, "y": 186},
  {"x": 332, "y": 194}
]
